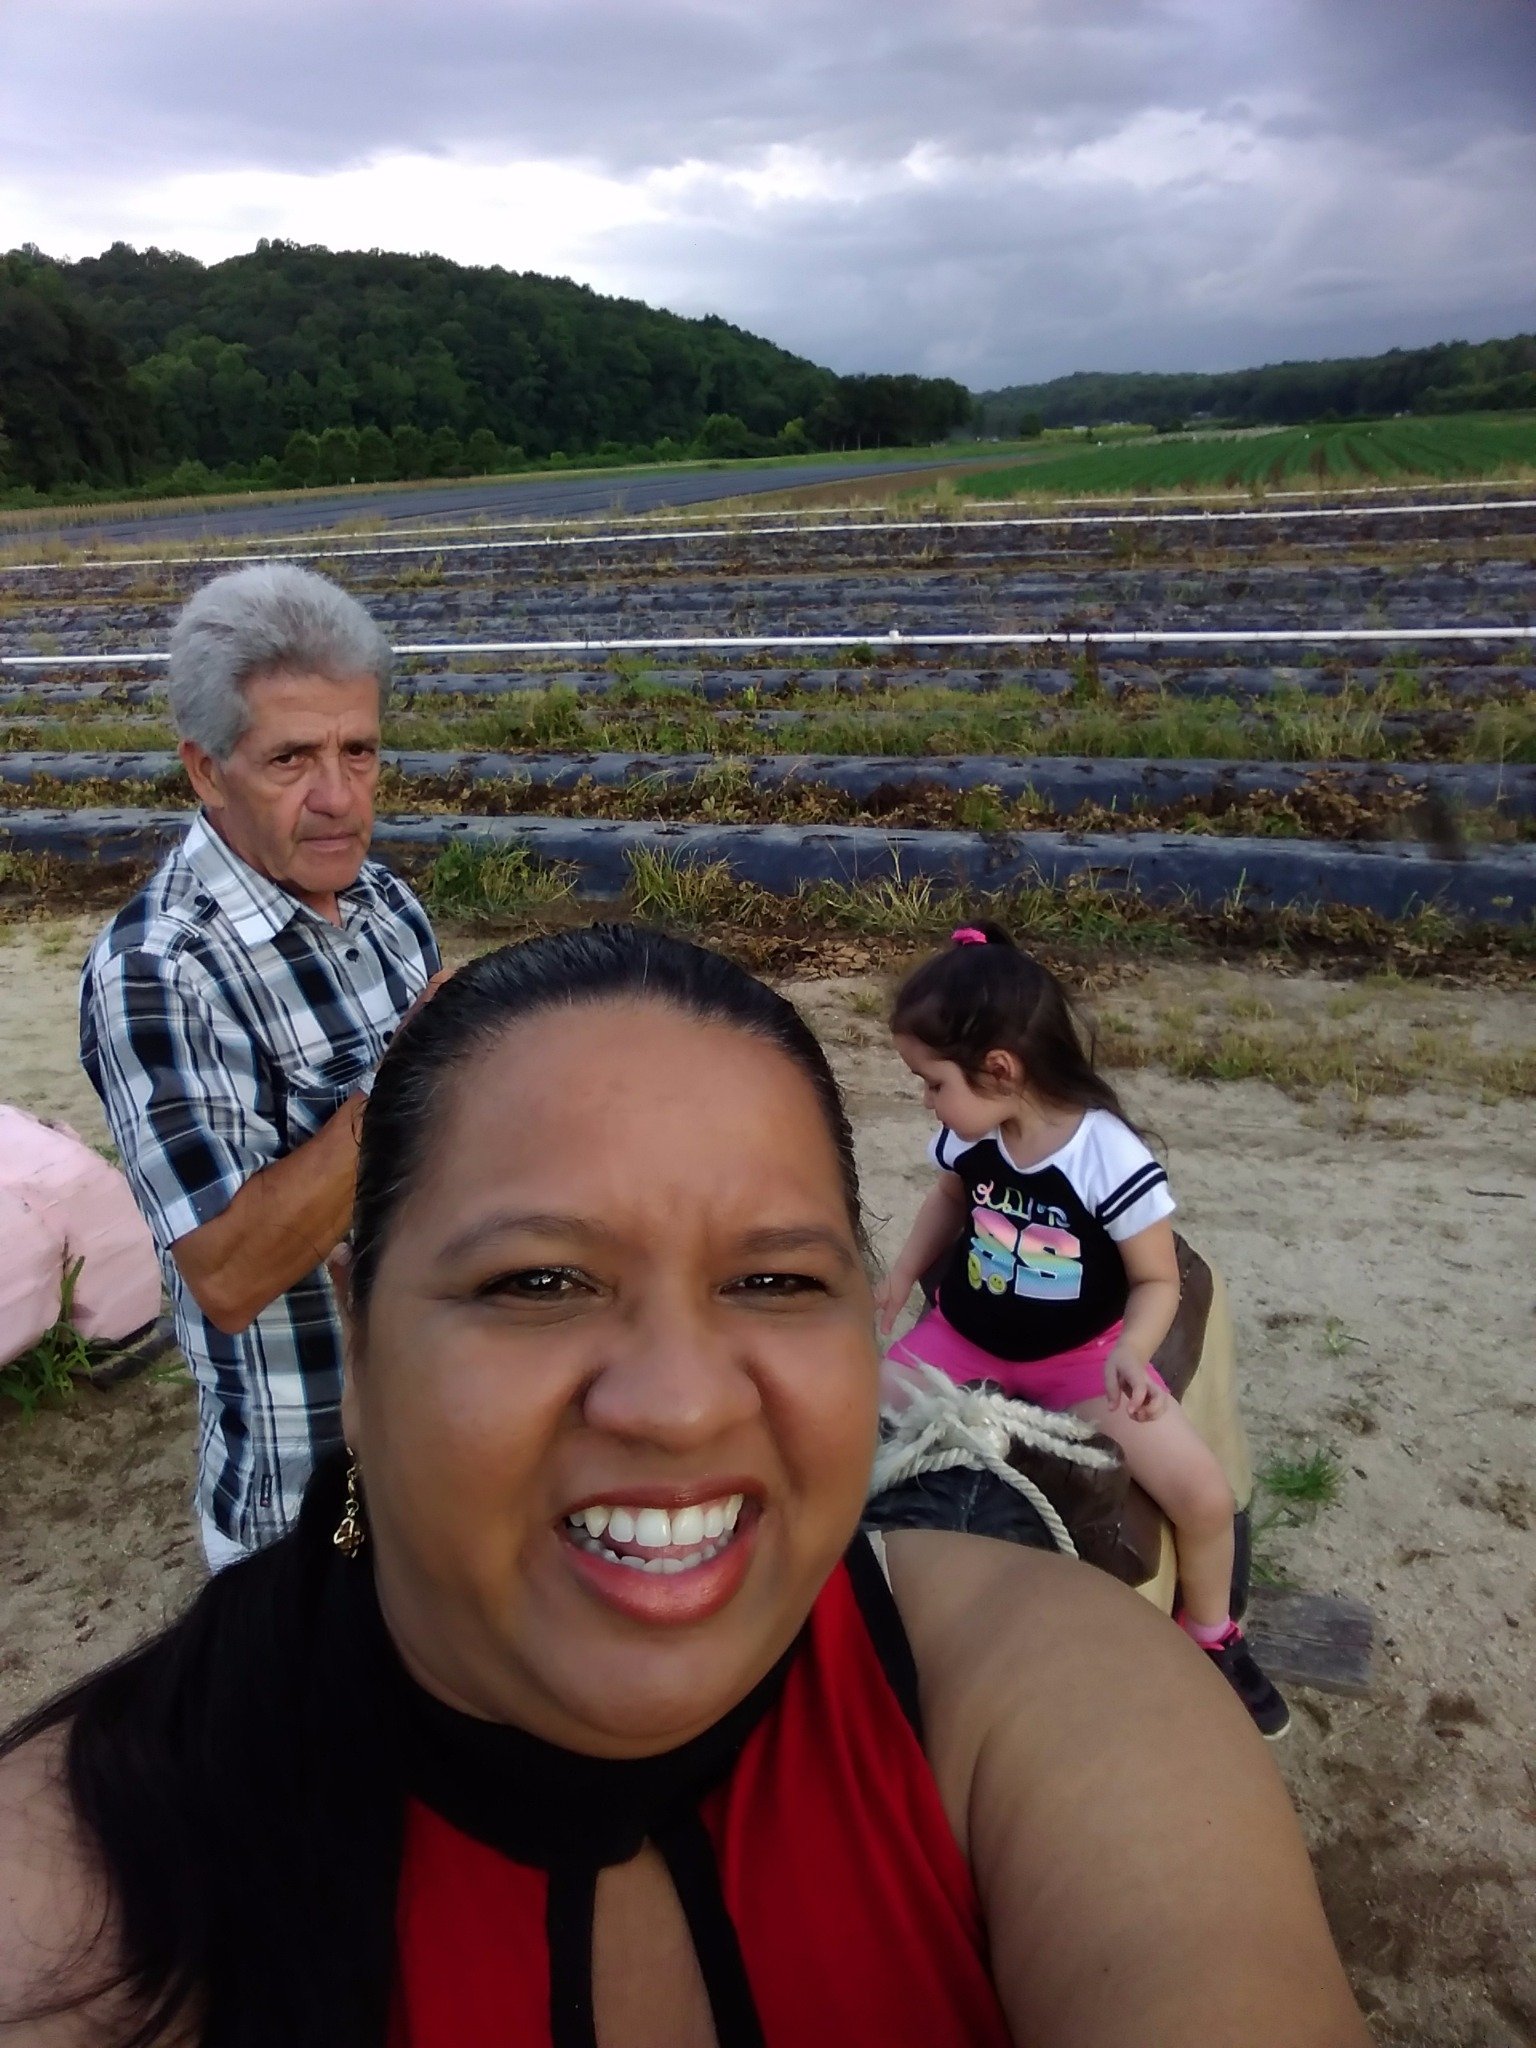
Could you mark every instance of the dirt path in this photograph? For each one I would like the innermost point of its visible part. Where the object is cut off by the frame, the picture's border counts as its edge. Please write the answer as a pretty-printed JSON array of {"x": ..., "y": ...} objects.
[{"x": 1386, "y": 1312}]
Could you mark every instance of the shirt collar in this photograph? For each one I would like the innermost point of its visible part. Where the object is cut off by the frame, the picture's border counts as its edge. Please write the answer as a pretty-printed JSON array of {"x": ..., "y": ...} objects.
[{"x": 255, "y": 906}]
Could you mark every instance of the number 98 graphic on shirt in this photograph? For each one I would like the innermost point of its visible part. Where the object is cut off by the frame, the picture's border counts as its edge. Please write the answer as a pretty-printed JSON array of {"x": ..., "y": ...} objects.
[{"x": 1035, "y": 1259}]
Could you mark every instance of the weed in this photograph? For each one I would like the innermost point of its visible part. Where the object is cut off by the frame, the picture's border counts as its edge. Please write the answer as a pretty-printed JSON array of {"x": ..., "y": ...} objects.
[
  {"x": 890, "y": 908},
  {"x": 688, "y": 894},
  {"x": 983, "y": 810},
  {"x": 47, "y": 1371},
  {"x": 475, "y": 880},
  {"x": 1338, "y": 1340},
  {"x": 1251, "y": 1008},
  {"x": 1303, "y": 1485},
  {"x": 420, "y": 576},
  {"x": 869, "y": 1002}
]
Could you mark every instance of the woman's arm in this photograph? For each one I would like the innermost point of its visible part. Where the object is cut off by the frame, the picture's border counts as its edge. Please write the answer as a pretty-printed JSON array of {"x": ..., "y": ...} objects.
[
  {"x": 1140, "y": 1868},
  {"x": 936, "y": 1227}
]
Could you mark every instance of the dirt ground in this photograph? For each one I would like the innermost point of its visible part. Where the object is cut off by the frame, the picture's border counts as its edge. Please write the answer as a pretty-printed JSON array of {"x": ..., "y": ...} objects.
[{"x": 1380, "y": 1263}]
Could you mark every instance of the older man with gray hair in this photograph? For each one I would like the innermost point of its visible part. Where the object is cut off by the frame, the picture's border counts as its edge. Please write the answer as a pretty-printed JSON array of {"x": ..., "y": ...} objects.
[{"x": 233, "y": 1013}]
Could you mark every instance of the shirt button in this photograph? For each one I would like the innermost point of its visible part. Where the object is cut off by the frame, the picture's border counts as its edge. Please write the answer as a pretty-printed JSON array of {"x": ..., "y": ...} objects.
[{"x": 351, "y": 952}]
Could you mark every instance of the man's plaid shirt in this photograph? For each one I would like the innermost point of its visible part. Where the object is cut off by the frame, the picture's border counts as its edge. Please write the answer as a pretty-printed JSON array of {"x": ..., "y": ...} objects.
[{"x": 222, "y": 1023}]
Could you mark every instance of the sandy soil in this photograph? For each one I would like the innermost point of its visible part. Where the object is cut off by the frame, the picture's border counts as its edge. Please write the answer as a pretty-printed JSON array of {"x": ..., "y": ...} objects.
[{"x": 1386, "y": 1311}]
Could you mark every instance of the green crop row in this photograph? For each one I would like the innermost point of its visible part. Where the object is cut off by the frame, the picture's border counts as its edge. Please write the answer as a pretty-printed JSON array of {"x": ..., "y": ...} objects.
[{"x": 1443, "y": 449}]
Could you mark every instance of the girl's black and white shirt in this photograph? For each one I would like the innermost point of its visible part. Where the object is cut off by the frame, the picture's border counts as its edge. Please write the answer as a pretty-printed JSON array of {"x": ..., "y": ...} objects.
[{"x": 1038, "y": 1270}]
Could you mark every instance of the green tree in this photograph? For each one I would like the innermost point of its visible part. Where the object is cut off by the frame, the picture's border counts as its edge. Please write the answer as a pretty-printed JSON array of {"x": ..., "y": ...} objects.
[
  {"x": 375, "y": 455},
  {"x": 301, "y": 457},
  {"x": 411, "y": 454},
  {"x": 72, "y": 413},
  {"x": 336, "y": 457},
  {"x": 723, "y": 435},
  {"x": 445, "y": 453},
  {"x": 482, "y": 452}
]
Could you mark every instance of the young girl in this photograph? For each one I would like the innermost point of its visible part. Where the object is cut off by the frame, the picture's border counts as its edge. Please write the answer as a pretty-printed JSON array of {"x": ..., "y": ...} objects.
[{"x": 1060, "y": 1279}]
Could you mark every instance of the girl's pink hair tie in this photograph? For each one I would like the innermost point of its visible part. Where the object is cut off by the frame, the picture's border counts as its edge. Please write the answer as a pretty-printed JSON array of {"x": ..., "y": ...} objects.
[{"x": 968, "y": 936}]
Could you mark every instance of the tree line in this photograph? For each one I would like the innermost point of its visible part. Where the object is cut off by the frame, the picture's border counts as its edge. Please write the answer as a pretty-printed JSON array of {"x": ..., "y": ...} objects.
[
  {"x": 1452, "y": 376},
  {"x": 300, "y": 365}
]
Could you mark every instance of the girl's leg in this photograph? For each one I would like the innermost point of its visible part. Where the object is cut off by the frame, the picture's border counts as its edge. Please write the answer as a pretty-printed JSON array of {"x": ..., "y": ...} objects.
[{"x": 1170, "y": 1461}]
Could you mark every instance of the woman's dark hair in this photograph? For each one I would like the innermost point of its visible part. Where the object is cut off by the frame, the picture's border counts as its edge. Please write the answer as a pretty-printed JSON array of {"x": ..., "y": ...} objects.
[
  {"x": 599, "y": 963},
  {"x": 976, "y": 998},
  {"x": 234, "y": 1778}
]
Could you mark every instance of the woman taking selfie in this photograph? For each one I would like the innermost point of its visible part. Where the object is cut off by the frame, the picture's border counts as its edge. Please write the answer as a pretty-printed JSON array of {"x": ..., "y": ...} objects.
[{"x": 575, "y": 1710}]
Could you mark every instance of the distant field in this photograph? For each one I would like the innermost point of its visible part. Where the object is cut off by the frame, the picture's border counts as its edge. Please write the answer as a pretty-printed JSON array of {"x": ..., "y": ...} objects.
[{"x": 1460, "y": 445}]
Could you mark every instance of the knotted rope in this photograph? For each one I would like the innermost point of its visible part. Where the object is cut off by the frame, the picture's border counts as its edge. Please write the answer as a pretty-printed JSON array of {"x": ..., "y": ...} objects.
[{"x": 933, "y": 1424}]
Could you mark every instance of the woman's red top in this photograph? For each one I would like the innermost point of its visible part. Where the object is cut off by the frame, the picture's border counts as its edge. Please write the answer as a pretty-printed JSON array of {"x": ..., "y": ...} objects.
[{"x": 853, "y": 1912}]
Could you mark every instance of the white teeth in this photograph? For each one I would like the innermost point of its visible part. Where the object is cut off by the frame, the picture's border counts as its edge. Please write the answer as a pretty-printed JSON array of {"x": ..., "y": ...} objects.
[
  {"x": 698, "y": 1530},
  {"x": 669, "y": 1565}
]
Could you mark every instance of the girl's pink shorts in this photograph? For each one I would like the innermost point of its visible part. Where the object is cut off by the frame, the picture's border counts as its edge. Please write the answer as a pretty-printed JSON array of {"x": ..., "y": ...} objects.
[{"x": 1063, "y": 1381}]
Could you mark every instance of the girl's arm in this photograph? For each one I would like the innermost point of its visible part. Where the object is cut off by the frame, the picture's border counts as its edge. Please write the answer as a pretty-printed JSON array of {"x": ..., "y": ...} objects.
[
  {"x": 1140, "y": 1869},
  {"x": 1152, "y": 1267},
  {"x": 937, "y": 1226}
]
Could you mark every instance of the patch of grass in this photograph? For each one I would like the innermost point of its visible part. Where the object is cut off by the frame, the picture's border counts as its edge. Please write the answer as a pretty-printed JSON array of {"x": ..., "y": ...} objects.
[
  {"x": 474, "y": 880},
  {"x": 869, "y": 1002},
  {"x": 47, "y": 1372},
  {"x": 690, "y": 894},
  {"x": 22, "y": 870},
  {"x": 1305, "y": 1484}
]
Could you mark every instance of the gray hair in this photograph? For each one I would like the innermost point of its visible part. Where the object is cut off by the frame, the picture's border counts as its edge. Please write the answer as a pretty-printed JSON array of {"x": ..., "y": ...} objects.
[{"x": 270, "y": 618}]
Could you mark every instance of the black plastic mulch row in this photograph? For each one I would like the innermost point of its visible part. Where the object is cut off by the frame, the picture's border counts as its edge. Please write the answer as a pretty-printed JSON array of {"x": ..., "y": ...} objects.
[
  {"x": 1062, "y": 781},
  {"x": 1390, "y": 879}
]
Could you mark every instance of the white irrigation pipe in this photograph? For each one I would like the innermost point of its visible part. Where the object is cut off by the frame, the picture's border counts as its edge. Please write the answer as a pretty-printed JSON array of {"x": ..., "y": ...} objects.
[
  {"x": 609, "y": 539},
  {"x": 1312, "y": 636}
]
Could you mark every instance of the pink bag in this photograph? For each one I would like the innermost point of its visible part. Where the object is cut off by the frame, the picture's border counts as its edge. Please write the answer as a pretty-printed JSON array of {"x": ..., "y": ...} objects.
[
  {"x": 30, "y": 1273},
  {"x": 87, "y": 1212}
]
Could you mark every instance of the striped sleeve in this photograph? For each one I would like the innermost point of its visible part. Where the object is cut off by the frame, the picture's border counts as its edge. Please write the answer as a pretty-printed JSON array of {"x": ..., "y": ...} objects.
[
  {"x": 944, "y": 1148},
  {"x": 177, "y": 1077},
  {"x": 1137, "y": 1194}
]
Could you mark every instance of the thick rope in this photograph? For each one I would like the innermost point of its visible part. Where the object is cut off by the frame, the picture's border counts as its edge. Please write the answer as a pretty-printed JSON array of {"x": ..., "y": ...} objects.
[{"x": 933, "y": 1424}]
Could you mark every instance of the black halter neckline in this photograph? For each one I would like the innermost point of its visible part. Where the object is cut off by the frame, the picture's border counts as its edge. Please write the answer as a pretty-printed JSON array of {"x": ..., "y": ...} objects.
[
  {"x": 573, "y": 1816},
  {"x": 538, "y": 1803}
]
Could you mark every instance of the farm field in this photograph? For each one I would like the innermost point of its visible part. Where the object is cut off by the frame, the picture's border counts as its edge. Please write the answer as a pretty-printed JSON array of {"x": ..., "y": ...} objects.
[
  {"x": 1318, "y": 714},
  {"x": 1262, "y": 785},
  {"x": 1433, "y": 447},
  {"x": 536, "y": 494}
]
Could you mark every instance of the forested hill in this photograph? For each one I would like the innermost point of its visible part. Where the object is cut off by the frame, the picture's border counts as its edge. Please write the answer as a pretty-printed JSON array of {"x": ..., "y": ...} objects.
[
  {"x": 1452, "y": 376},
  {"x": 306, "y": 365}
]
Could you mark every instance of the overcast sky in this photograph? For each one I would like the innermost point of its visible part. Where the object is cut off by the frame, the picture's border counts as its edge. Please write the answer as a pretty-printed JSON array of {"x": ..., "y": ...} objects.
[{"x": 996, "y": 190}]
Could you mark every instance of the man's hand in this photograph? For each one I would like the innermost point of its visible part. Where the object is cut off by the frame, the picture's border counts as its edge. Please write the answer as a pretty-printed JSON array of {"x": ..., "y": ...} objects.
[{"x": 443, "y": 974}]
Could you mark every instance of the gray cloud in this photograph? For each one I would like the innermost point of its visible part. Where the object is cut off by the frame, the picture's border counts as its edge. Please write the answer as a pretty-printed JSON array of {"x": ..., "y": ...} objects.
[{"x": 1096, "y": 183}]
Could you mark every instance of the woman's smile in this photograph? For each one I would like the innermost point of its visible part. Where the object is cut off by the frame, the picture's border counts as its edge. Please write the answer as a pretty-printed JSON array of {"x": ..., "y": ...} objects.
[{"x": 665, "y": 1564}]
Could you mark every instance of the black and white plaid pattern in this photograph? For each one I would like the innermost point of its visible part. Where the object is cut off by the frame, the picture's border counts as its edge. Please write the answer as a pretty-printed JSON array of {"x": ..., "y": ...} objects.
[{"x": 222, "y": 1023}]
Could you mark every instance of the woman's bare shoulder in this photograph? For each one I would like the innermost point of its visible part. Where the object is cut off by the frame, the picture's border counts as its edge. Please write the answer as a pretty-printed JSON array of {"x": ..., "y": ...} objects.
[
  {"x": 57, "y": 1946},
  {"x": 1118, "y": 1811}
]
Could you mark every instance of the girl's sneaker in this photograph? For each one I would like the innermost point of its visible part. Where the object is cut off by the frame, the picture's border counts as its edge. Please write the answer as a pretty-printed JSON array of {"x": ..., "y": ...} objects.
[{"x": 1234, "y": 1660}]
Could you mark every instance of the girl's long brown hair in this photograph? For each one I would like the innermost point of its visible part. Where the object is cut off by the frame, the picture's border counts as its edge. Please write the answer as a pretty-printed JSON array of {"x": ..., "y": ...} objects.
[{"x": 971, "y": 999}]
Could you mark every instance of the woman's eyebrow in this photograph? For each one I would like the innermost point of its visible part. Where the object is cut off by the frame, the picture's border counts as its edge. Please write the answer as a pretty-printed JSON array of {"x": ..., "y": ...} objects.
[
  {"x": 785, "y": 1239},
  {"x": 800, "y": 1238},
  {"x": 532, "y": 1223}
]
